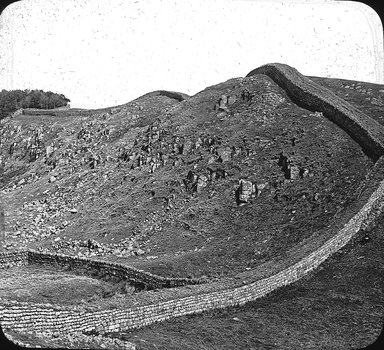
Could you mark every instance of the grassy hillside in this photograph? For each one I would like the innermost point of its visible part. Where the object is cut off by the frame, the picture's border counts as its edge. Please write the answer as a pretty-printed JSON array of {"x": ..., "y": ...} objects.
[
  {"x": 206, "y": 186},
  {"x": 162, "y": 184}
]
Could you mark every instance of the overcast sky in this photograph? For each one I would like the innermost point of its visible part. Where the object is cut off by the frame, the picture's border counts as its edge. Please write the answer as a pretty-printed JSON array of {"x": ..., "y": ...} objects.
[{"x": 102, "y": 53}]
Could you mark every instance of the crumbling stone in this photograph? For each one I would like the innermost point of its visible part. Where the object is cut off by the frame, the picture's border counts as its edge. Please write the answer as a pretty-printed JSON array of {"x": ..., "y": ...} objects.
[
  {"x": 224, "y": 153},
  {"x": 261, "y": 187},
  {"x": 222, "y": 103}
]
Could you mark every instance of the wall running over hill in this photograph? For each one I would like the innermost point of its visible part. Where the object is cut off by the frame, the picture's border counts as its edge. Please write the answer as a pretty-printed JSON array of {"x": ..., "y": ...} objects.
[
  {"x": 306, "y": 93},
  {"x": 162, "y": 305}
]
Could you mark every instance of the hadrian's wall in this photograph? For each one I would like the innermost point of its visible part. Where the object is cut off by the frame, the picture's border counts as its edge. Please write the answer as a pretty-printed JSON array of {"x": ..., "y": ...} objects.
[
  {"x": 53, "y": 318},
  {"x": 114, "y": 270},
  {"x": 17, "y": 113},
  {"x": 153, "y": 306},
  {"x": 59, "y": 112},
  {"x": 170, "y": 94},
  {"x": 9, "y": 117},
  {"x": 11, "y": 259},
  {"x": 66, "y": 112},
  {"x": 308, "y": 94}
]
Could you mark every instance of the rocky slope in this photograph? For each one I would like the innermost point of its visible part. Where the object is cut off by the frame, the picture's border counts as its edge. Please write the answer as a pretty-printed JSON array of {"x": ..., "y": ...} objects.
[{"x": 208, "y": 185}]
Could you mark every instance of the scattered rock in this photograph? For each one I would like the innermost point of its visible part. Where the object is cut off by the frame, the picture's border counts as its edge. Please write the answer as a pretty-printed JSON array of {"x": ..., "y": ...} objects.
[
  {"x": 202, "y": 182},
  {"x": 366, "y": 238},
  {"x": 222, "y": 103},
  {"x": 139, "y": 251},
  {"x": 244, "y": 192},
  {"x": 260, "y": 187},
  {"x": 224, "y": 153},
  {"x": 48, "y": 151},
  {"x": 304, "y": 172},
  {"x": 93, "y": 244},
  {"x": 294, "y": 172},
  {"x": 231, "y": 99},
  {"x": 246, "y": 95}
]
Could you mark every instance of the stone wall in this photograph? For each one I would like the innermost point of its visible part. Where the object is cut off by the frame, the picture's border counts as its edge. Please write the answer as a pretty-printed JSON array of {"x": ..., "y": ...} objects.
[
  {"x": 192, "y": 299},
  {"x": 11, "y": 259},
  {"x": 154, "y": 306},
  {"x": 17, "y": 113},
  {"x": 102, "y": 268},
  {"x": 172, "y": 94},
  {"x": 306, "y": 93},
  {"x": 10, "y": 116}
]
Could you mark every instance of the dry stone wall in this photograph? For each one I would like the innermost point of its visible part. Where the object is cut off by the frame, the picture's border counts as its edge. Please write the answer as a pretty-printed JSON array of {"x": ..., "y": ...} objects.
[
  {"x": 170, "y": 94},
  {"x": 53, "y": 318},
  {"x": 17, "y": 113},
  {"x": 160, "y": 305},
  {"x": 306, "y": 93},
  {"x": 11, "y": 259},
  {"x": 10, "y": 116},
  {"x": 115, "y": 270}
]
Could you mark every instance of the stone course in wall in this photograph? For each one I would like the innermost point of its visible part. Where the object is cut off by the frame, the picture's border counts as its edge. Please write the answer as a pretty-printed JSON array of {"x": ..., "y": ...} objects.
[{"x": 159, "y": 305}]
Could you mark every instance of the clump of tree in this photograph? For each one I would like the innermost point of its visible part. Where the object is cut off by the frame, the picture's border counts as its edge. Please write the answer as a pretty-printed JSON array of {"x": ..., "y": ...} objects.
[{"x": 10, "y": 101}]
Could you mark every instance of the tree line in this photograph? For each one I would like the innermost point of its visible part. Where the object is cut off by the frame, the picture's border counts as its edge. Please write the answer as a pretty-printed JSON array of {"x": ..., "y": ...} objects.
[{"x": 11, "y": 101}]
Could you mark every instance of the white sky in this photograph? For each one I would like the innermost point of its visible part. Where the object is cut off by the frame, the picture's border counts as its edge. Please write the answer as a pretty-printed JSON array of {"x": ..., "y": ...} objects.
[{"x": 102, "y": 53}]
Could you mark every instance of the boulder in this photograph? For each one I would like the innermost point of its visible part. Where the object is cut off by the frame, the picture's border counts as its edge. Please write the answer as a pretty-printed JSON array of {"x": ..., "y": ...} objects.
[
  {"x": 202, "y": 182},
  {"x": 261, "y": 187},
  {"x": 48, "y": 151},
  {"x": 293, "y": 172},
  {"x": 139, "y": 251},
  {"x": 224, "y": 153},
  {"x": 245, "y": 191},
  {"x": 231, "y": 99},
  {"x": 186, "y": 147},
  {"x": 222, "y": 103}
]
